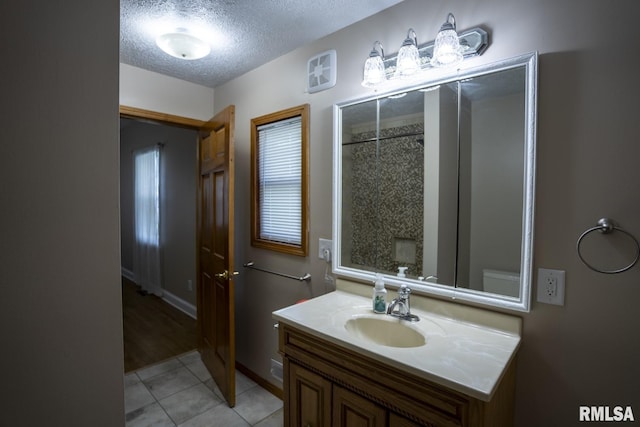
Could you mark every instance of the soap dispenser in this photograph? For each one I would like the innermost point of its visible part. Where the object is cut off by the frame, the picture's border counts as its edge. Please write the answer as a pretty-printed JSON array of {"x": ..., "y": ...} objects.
[
  {"x": 402, "y": 271},
  {"x": 379, "y": 295}
]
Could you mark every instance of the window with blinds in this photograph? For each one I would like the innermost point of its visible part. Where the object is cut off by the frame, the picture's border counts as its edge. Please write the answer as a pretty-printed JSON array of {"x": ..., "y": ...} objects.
[{"x": 279, "y": 146}]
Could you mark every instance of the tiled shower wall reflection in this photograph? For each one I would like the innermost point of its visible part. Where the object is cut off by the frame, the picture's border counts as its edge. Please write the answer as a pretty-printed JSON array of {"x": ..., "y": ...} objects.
[{"x": 387, "y": 199}]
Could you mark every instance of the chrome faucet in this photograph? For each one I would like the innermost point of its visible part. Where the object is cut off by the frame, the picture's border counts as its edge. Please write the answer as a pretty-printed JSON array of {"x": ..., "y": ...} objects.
[{"x": 400, "y": 307}]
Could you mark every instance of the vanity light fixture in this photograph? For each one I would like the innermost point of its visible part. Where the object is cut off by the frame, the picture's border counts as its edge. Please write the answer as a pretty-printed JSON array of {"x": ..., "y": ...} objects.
[
  {"x": 408, "y": 61},
  {"x": 374, "y": 72},
  {"x": 183, "y": 45},
  {"x": 429, "y": 89},
  {"x": 447, "y": 51},
  {"x": 398, "y": 96}
]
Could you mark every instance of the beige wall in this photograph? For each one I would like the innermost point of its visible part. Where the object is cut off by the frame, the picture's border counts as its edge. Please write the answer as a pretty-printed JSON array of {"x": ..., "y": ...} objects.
[
  {"x": 139, "y": 89},
  {"x": 584, "y": 353},
  {"x": 60, "y": 310}
]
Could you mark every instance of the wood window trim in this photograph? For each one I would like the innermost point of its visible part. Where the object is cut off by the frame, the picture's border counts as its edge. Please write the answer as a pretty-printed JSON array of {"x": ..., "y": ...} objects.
[{"x": 256, "y": 241}]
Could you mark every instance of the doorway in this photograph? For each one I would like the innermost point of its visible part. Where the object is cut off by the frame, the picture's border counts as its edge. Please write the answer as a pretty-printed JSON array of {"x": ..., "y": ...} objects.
[
  {"x": 160, "y": 327},
  {"x": 215, "y": 309}
]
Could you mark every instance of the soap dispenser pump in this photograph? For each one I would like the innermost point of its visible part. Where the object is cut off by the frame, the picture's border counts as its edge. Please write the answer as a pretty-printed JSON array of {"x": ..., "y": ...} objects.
[{"x": 379, "y": 295}]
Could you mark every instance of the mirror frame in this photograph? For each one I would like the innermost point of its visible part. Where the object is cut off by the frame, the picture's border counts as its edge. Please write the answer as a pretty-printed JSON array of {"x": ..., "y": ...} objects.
[{"x": 521, "y": 303}]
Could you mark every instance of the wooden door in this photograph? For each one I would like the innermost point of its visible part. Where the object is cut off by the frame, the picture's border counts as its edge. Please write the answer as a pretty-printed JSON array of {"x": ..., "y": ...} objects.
[
  {"x": 351, "y": 410},
  {"x": 216, "y": 320},
  {"x": 309, "y": 398}
]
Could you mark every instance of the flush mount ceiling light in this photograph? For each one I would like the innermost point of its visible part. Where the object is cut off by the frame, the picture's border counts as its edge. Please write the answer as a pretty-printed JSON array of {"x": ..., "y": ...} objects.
[
  {"x": 180, "y": 44},
  {"x": 408, "y": 61},
  {"x": 374, "y": 72},
  {"x": 447, "y": 51},
  {"x": 412, "y": 61}
]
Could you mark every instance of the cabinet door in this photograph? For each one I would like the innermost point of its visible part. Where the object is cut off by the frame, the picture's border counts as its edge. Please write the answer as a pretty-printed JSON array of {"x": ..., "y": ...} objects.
[
  {"x": 310, "y": 398},
  {"x": 398, "y": 421},
  {"x": 351, "y": 410}
]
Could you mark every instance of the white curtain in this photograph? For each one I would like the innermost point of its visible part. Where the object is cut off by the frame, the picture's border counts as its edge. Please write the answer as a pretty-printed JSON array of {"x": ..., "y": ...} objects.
[{"x": 146, "y": 251}]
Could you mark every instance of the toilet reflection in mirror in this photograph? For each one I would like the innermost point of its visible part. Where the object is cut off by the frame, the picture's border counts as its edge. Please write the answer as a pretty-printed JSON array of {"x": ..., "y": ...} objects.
[{"x": 501, "y": 282}]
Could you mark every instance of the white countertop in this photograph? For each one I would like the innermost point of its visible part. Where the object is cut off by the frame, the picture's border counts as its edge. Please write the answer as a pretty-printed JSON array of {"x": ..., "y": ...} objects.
[{"x": 463, "y": 356}]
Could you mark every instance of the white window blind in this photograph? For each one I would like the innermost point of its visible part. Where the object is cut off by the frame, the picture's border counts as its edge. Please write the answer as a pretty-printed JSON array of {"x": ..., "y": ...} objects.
[
  {"x": 280, "y": 180},
  {"x": 147, "y": 196}
]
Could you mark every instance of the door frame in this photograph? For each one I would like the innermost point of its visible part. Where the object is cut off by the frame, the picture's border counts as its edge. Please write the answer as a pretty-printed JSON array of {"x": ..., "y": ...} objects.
[{"x": 157, "y": 117}]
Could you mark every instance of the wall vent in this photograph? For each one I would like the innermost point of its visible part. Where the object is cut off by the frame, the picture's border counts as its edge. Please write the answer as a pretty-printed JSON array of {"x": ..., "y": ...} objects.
[
  {"x": 321, "y": 71},
  {"x": 276, "y": 370}
]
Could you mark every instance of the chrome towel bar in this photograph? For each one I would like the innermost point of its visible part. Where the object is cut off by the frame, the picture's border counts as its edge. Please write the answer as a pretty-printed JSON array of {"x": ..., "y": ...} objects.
[{"x": 304, "y": 278}]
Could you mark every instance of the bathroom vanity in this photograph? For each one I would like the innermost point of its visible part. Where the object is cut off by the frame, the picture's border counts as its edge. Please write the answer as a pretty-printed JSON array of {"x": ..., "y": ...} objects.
[
  {"x": 345, "y": 366},
  {"x": 452, "y": 160}
]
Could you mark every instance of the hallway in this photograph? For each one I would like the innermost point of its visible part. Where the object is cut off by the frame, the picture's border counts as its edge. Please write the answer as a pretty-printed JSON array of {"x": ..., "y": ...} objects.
[{"x": 153, "y": 330}]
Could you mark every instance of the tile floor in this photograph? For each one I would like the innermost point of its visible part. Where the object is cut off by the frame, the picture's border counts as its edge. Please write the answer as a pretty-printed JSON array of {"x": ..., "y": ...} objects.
[{"x": 180, "y": 392}]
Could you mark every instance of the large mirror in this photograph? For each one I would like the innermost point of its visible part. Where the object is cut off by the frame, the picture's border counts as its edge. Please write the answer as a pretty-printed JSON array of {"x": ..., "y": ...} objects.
[{"x": 434, "y": 185}]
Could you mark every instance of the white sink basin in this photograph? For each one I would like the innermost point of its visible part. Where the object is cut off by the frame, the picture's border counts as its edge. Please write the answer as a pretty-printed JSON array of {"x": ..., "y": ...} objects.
[{"x": 385, "y": 330}]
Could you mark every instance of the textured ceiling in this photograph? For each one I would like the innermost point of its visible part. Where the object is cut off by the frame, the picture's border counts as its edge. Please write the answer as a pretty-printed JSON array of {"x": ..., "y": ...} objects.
[{"x": 243, "y": 34}]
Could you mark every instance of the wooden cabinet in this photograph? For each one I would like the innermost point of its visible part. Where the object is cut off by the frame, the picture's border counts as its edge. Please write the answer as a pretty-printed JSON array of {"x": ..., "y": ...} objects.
[
  {"x": 397, "y": 421},
  {"x": 314, "y": 401},
  {"x": 329, "y": 385},
  {"x": 352, "y": 410},
  {"x": 311, "y": 397}
]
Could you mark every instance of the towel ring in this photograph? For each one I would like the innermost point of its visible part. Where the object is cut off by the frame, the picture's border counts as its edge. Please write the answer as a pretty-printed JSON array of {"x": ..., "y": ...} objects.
[{"x": 606, "y": 226}]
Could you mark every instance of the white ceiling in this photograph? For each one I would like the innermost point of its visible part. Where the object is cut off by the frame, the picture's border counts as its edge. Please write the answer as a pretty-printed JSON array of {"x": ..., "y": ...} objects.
[{"x": 243, "y": 34}]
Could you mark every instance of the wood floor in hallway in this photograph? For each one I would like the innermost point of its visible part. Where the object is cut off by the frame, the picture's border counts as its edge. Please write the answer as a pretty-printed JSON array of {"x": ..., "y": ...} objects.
[{"x": 154, "y": 330}]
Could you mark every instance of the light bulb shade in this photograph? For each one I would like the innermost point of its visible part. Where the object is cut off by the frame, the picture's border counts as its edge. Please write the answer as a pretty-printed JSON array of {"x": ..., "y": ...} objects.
[
  {"x": 374, "y": 73},
  {"x": 446, "y": 49},
  {"x": 183, "y": 46},
  {"x": 408, "y": 60}
]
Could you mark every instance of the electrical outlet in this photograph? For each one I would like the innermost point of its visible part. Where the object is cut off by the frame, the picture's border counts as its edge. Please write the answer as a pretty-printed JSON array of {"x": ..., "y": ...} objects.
[
  {"x": 190, "y": 285},
  {"x": 324, "y": 249},
  {"x": 551, "y": 286}
]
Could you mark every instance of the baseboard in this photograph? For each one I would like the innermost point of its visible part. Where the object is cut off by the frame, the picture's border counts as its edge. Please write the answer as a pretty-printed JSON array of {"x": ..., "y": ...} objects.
[
  {"x": 180, "y": 304},
  {"x": 275, "y": 390},
  {"x": 128, "y": 274}
]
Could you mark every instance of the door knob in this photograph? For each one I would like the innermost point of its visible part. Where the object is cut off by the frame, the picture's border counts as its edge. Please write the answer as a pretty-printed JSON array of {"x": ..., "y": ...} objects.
[{"x": 225, "y": 275}]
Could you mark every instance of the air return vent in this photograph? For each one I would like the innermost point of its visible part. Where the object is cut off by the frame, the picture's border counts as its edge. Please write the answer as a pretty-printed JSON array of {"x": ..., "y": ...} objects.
[{"x": 276, "y": 370}]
